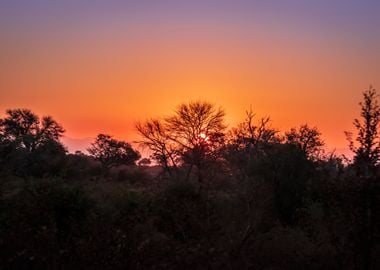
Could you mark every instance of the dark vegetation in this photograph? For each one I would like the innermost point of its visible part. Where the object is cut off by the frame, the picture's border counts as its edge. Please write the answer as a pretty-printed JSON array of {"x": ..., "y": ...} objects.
[{"x": 209, "y": 197}]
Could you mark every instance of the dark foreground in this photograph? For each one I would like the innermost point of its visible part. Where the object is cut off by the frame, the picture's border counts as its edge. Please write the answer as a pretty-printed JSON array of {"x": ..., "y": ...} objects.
[{"x": 130, "y": 219}]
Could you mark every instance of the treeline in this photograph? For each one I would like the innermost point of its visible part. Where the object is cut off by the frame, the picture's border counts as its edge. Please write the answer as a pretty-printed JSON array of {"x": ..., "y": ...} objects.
[{"x": 209, "y": 197}]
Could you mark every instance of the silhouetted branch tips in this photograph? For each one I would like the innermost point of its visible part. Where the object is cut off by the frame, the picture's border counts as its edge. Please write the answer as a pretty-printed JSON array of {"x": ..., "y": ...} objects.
[
  {"x": 188, "y": 137},
  {"x": 367, "y": 150},
  {"x": 307, "y": 139}
]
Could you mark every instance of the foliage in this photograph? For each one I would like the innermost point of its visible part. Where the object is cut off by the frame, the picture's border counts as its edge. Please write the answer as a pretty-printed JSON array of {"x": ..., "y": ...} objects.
[
  {"x": 307, "y": 139},
  {"x": 247, "y": 142},
  {"x": 30, "y": 145},
  {"x": 367, "y": 153},
  {"x": 25, "y": 129},
  {"x": 111, "y": 152},
  {"x": 192, "y": 136}
]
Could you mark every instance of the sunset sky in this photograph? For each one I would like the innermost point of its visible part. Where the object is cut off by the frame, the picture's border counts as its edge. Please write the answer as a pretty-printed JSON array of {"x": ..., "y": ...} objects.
[{"x": 101, "y": 65}]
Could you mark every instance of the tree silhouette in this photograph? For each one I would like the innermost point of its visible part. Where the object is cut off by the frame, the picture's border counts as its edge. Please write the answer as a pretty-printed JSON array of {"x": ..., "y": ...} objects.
[
  {"x": 30, "y": 145},
  {"x": 247, "y": 141},
  {"x": 367, "y": 153},
  {"x": 25, "y": 129},
  {"x": 197, "y": 128},
  {"x": 307, "y": 139},
  {"x": 190, "y": 137},
  {"x": 250, "y": 135},
  {"x": 111, "y": 152},
  {"x": 156, "y": 138},
  {"x": 366, "y": 160}
]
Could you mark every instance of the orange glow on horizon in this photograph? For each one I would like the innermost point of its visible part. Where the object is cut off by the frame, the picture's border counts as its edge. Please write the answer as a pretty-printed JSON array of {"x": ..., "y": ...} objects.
[
  {"x": 203, "y": 136},
  {"x": 102, "y": 76}
]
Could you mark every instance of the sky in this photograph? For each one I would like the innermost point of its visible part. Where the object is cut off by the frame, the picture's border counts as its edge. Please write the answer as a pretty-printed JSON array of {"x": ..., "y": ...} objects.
[{"x": 98, "y": 66}]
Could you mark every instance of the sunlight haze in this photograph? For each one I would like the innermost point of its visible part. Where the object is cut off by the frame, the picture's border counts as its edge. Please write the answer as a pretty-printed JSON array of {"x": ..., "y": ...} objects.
[{"x": 100, "y": 66}]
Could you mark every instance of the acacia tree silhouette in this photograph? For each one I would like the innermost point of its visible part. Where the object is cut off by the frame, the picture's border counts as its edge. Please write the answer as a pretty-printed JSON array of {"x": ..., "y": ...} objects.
[
  {"x": 25, "y": 129},
  {"x": 29, "y": 145},
  {"x": 190, "y": 137},
  {"x": 156, "y": 139},
  {"x": 111, "y": 152}
]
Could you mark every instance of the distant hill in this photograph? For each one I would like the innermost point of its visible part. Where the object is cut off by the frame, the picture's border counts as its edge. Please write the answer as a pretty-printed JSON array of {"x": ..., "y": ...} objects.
[{"x": 75, "y": 144}]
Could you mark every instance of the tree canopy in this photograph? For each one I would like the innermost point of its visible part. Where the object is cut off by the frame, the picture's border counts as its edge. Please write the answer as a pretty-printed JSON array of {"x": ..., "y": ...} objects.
[
  {"x": 25, "y": 129},
  {"x": 191, "y": 136},
  {"x": 367, "y": 149},
  {"x": 111, "y": 152},
  {"x": 307, "y": 139}
]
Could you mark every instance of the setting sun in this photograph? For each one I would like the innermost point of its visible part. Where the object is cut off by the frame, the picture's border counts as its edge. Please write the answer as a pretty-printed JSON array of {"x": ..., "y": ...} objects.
[{"x": 203, "y": 136}]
